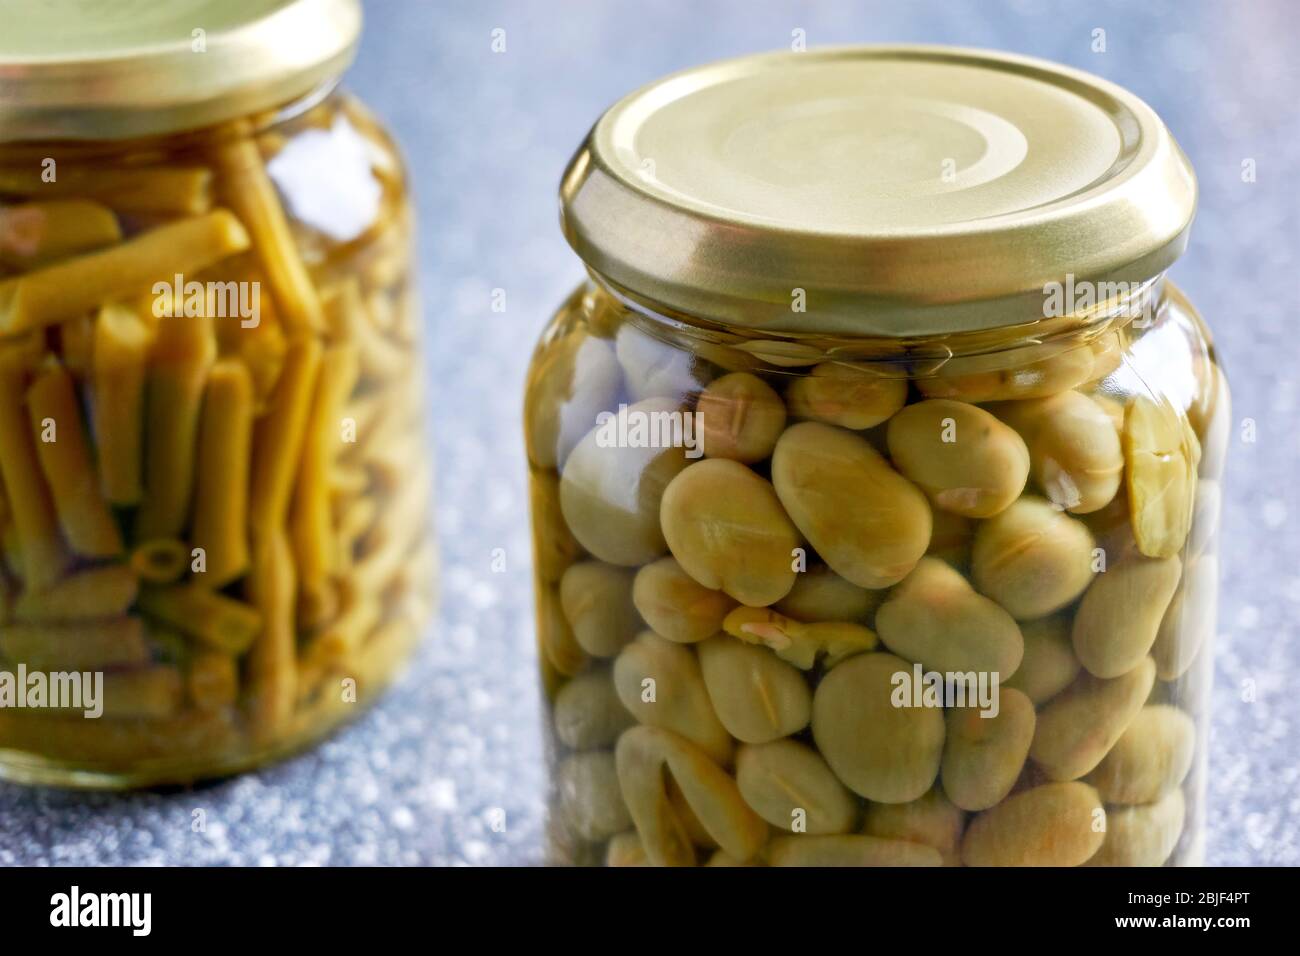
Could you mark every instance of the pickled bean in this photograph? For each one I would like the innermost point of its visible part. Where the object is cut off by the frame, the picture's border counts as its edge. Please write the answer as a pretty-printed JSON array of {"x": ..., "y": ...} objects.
[
  {"x": 789, "y": 785},
  {"x": 884, "y": 753},
  {"x": 1150, "y": 759},
  {"x": 930, "y": 819},
  {"x": 836, "y": 851},
  {"x": 1142, "y": 835},
  {"x": 757, "y": 696},
  {"x": 983, "y": 755},
  {"x": 575, "y": 379},
  {"x": 660, "y": 684},
  {"x": 1078, "y": 728},
  {"x": 645, "y": 757},
  {"x": 1160, "y": 477},
  {"x": 1057, "y": 824},
  {"x": 554, "y": 546},
  {"x": 610, "y": 496},
  {"x": 819, "y": 594},
  {"x": 848, "y": 394},
  {"x": 964, "y": 379},
  {"x": 966, "y": 460},
  {"x": 1189, "y": 621},
  {"x": 1074, "y": 451},
  {"x": 597, "y": 602},
  {"x": 933, "y": 616},
  {"x": 555, "y": 637},
  {"x": 726, "y": 528},
  {"x": 588, "y": 713},
  {"x": 675, "y": 605},
  {"x": 591, "y": 803},
  {"x": 743, "y": 417},
  {"x": 1049, "y": 665},
  {"x": 1032, "y": 559},
  {"x": 1117, "y": 621},
  {"x": 869, "y": 523}
]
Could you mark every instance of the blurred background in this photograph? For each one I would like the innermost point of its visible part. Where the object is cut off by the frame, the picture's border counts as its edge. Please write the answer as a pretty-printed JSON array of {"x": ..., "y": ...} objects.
[{"x": 448, "y": 768}]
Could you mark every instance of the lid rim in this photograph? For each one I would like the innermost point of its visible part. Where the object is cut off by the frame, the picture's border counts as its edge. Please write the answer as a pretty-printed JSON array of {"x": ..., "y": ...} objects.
[{"x": 156, "y": 88}]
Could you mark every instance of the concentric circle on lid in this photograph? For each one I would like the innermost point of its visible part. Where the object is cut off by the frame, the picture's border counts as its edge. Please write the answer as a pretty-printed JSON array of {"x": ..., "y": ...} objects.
[
  {"x": 887, "y": 190},
  {"x": 115, "y": 69}
]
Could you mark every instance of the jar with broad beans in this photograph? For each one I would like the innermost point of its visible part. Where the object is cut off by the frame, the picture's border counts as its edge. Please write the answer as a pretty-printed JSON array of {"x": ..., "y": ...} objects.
[
  {"x": 213, "y": 481},
  {"x": 875, "y": 473}
]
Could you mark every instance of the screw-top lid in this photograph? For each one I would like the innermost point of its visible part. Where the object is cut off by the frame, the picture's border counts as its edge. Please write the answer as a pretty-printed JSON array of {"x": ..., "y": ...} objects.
[
  {"x": 112, "y": 69},
  {"x": 900, "y": 190}
]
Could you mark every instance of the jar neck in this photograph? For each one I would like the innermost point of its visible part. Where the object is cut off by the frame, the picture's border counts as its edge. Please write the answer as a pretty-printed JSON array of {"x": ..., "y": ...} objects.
[
  {"x": 1072, "y": 314},
  {"x": 21, "y": 152},
  {"x": 294, "y": 109}
]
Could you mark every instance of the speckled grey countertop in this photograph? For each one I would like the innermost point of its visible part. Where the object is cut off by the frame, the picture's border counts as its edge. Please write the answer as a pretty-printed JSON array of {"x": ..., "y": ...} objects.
[{"x": 420, "y": 777}]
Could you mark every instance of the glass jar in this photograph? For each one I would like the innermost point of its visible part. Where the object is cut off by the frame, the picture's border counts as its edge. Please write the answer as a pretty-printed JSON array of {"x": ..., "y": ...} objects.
[
  {"x": 214, "y": 496},
  {"x": 875, "y": 473}
]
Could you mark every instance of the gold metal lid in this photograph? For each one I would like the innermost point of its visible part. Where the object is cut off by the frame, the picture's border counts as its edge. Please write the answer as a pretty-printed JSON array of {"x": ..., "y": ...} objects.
[
  {"x": 906, "y": 190},
  {"x": 114, "y": 69}
]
